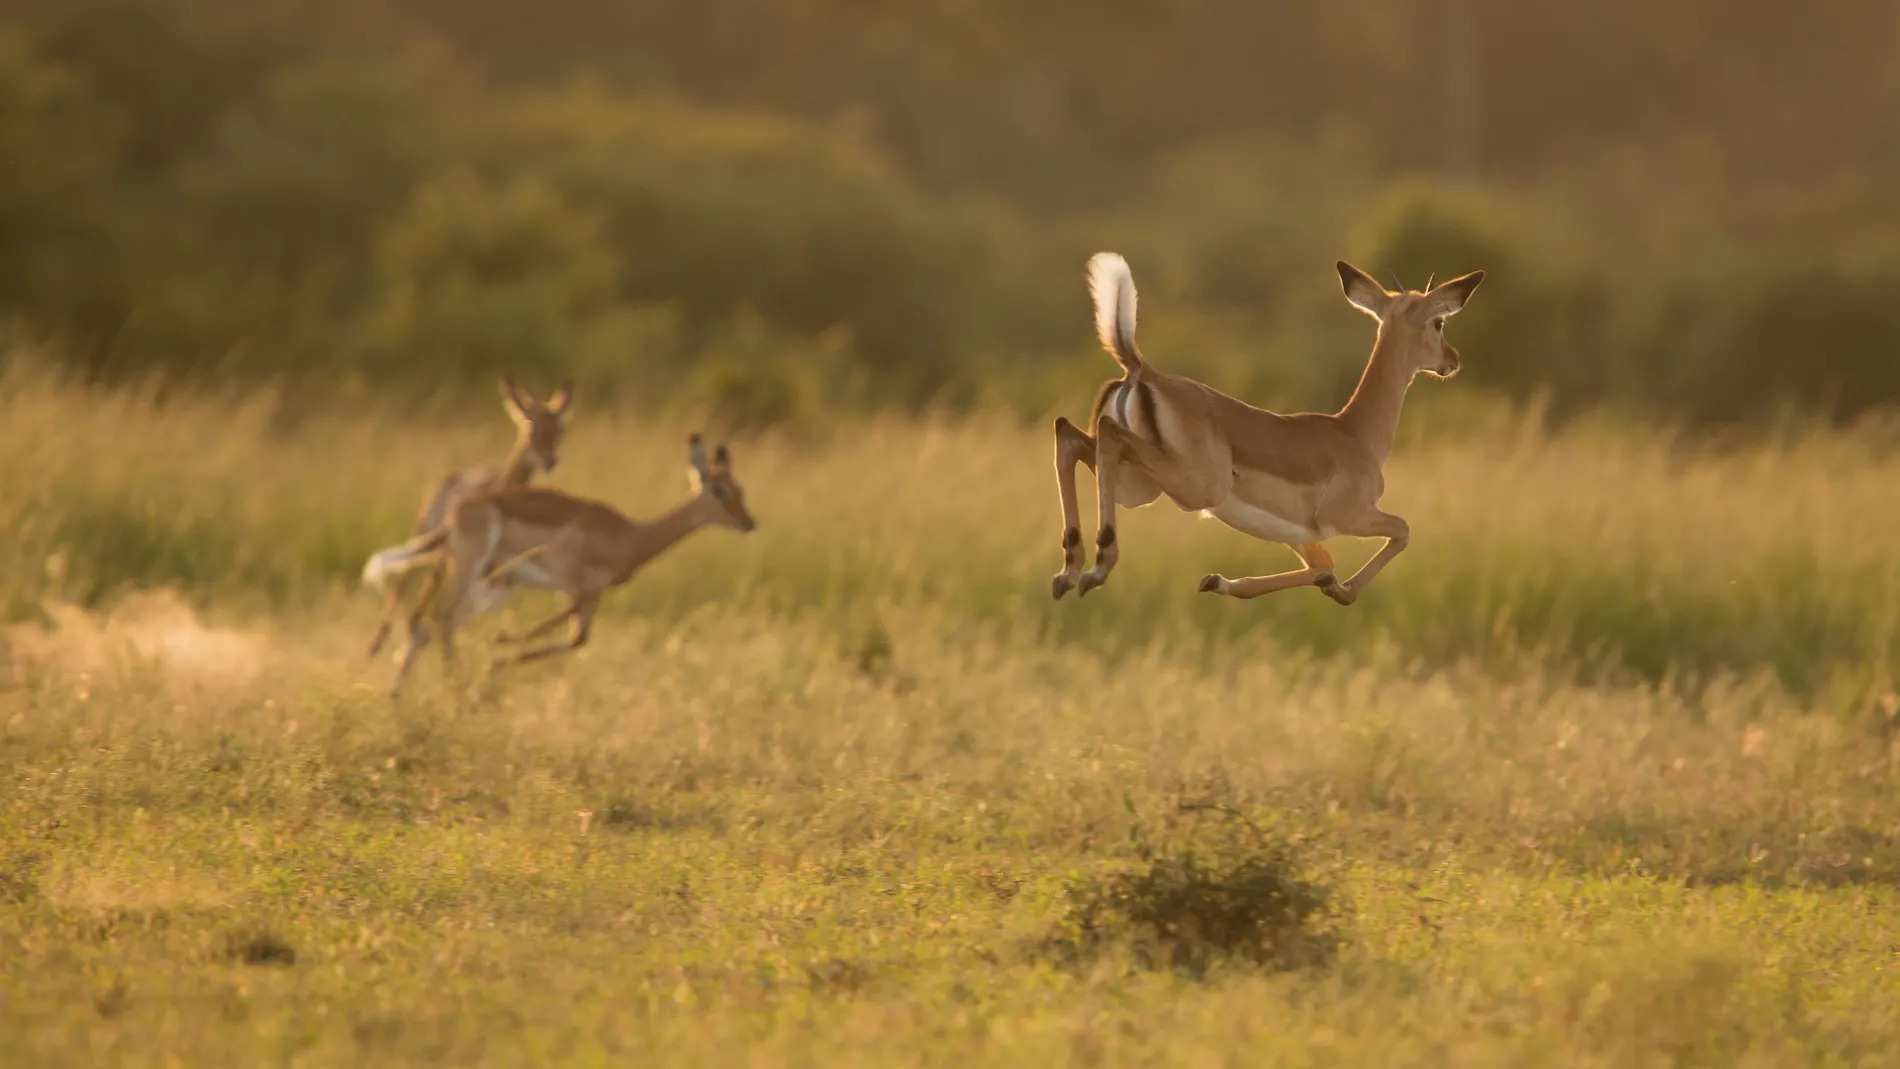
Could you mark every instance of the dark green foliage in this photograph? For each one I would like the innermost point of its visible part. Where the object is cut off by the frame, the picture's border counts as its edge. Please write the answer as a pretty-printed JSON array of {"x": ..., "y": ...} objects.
[
  {"x": 1803, "y": 336},
  {"x": 1190, "y": 908},
  {"x": 768, "y": 210},
  {"x": 57, "y": 143},
  {"x": 260, "y": 948}
]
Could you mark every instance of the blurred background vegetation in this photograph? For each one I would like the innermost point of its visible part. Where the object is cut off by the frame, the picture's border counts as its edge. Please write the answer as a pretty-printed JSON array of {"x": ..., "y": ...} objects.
[{"x": 774, "y": 208}]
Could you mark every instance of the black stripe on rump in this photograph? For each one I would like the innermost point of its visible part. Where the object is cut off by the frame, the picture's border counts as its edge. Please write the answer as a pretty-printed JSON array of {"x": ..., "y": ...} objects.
[{"x": 1145, "y": 396}]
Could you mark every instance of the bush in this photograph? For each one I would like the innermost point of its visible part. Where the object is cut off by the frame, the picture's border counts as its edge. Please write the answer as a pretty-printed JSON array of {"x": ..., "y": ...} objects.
[
  {"x": 245, "y": 192},
  {"x": 1536, "y": 329},
  {"x": 748, "y": 377},
  {"x": 1189, "y": 909},
  {"x": 477, "y": 278},
  {"x": 57, "y": 227},
  {"x": 807, "y": 226},
  {"x": 256, "y": 261},
  {"x": 1743, "y": 345}
]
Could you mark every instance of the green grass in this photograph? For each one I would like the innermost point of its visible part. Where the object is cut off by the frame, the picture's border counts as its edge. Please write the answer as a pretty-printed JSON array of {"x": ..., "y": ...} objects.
[
  {"x": 1626, "y": 556},
  {"x": 1600, "y": 773}
]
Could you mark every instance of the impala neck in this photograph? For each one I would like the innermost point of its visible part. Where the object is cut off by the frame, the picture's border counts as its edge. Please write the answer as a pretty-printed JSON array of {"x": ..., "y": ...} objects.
[
  {"x": 520, "y": 467},
  {"x": 1372, "y": 413},
  {"x": 645, "y": 541}
]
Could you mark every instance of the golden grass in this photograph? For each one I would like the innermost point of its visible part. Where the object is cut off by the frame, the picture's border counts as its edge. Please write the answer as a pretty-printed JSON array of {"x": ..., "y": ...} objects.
[{"x": 1601, "y": 772}]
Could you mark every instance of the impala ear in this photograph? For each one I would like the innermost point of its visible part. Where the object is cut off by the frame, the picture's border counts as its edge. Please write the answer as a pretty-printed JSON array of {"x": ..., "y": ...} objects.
[
  {"x": 1449, "y": 299},
  {"x": 564, "y": 397},
  {"x": 514, "y": 400},
  {"x": 1365, "y": 294}
]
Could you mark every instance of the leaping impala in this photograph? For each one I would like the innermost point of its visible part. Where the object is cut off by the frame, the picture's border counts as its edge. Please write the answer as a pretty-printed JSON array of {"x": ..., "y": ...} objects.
[
  {"x": 539, "y": 429},
  {"x": 1296, "y": 479},
  {"x": 537, "y": 536}
]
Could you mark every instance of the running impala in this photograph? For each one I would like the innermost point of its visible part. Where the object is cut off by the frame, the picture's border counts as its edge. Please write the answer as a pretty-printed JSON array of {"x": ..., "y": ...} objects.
[
  {"x": 539, "y": 429},
  {"x": 540, "y": 537},
  {"x": 1295, "y": 479}
]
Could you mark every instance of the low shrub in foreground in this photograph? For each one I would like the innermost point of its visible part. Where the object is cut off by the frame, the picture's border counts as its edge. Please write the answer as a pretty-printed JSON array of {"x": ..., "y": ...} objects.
[{"x": 1198, "y": 905}]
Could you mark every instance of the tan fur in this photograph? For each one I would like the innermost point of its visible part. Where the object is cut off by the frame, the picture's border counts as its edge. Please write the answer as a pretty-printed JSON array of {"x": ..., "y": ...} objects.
[
  {"x": 539, "y": 429},
  {"x": 1296, "y": 479},
  {"x": 541, "y": 537}
]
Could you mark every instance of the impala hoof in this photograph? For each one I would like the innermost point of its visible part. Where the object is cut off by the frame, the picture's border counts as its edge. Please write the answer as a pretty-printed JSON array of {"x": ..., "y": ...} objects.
[
  {"x": 1330, "y": 586},
  {"x": 1210, "y": 584},
  {"x": 1060, "y": 585},
  {"x": 1089, "y": 582}
]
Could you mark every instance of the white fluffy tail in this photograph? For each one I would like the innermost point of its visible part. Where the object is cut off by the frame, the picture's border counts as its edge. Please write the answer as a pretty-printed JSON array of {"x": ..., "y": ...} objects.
[
  {"x": 1112, "y": 285},
  {"x": 397, "y": 559}
]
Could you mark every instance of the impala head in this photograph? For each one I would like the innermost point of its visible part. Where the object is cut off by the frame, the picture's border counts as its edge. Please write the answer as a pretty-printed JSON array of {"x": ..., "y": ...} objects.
[
  {"x": 718, "y": 492},
  {"x": 538, "y": 424},
  {"x": 1413, "y": 320}
]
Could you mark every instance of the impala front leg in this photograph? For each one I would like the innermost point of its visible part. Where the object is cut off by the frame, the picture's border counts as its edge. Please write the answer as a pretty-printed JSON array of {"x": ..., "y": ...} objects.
[
  {"x": 581, "y": 609},
  {"x": 1072, "y": 447},
  {"x": 542, "y": 628},
  {"x": 1319, "y": 566},
  {"x": 1396, "y": 532}
]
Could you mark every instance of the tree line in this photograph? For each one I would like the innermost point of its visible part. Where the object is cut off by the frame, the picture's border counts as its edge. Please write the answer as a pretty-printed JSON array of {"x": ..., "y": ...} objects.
[{"x": 1686, "y": 208}]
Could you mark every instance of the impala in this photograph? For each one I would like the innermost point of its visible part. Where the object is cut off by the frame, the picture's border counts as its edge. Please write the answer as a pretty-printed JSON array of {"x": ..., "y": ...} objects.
[
  {"x": 541, "y": 537},
  {"x": 1295, "y": 479},
  {"x": 539, "y": 429}
]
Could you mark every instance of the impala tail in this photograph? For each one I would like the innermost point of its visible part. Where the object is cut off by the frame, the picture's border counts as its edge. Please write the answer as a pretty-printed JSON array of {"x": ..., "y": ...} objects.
[
  {"x": 398, "y": 559},
  {"x": 1112, "y": 285}
]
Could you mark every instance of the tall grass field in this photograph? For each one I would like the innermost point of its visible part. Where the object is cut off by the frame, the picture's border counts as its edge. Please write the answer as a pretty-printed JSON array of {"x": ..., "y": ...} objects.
[{"x": 1603, "y": 771}]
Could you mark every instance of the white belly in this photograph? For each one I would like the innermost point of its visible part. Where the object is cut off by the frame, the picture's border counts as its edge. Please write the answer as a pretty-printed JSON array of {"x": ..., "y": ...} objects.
[
  {"x": 1264, "y": 525},
  {"x": 486, "y": 597},
  {"x": 531, "y": 572}
]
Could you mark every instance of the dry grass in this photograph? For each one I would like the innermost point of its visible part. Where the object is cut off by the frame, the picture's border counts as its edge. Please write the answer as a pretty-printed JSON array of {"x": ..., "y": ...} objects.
[{"x": 1601, "y": 773}]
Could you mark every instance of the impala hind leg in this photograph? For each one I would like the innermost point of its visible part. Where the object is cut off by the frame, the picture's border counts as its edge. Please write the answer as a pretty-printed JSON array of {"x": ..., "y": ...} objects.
[
  {"x": 1376, "y": 524},
  {"x": 446, "y": 605},
  {"x": 1072, "y": 447},
  {"x": 418, "y": 638},
  {"x": 1108, "y": 450},
  {"x": 1318, "y": 572},
  {"x": 456, "y": 606},
  {"x": 419, "y": 633},
  {"x": 1111, "y": 447},
  {"x": 392, "y": 606},
  {"x": 1122, "y": 479}
]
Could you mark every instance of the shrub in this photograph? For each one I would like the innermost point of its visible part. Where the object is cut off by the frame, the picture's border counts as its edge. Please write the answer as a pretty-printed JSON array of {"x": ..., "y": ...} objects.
[
  {"x": 1537, "y": 329},
  {"x": 479, "y": 277},
  {"x": 807, "y": 226},
  {"x": 749, "y": 377},
  {"x": 1744, "y": 344},
  {"x": 56, "y": 228},
  {"x": 1191, "y": 908}
]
